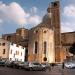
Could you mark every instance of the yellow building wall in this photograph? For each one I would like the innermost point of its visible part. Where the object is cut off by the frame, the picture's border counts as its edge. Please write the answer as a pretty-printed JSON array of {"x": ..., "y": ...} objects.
[{"x": 41, "y": 37}]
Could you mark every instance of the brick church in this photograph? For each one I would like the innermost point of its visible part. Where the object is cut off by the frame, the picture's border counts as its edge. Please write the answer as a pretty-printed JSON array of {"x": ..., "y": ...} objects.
[{"x": 45, "y": 42}]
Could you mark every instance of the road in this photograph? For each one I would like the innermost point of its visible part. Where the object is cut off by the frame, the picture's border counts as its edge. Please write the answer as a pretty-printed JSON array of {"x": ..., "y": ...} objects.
[
  {"x": 54, "y": 71},
  {"x": 10, "y": 71}
]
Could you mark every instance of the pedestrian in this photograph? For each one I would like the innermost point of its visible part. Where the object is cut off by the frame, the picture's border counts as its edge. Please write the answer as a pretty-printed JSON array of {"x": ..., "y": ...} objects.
[
  {"x": 63, "y": 65},
  {"x": 53, "y": 65},
  {"x": 49, "y": 68}
]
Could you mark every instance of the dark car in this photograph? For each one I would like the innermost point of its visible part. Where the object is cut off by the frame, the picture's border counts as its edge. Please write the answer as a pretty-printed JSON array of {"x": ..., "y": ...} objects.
[
  {"x": 11, "y": 64},
  {"x": 47, "y": 66},
  {"x": 14, "y": 64},
  {"x": 21, "y": 65},
  {"x": 2, "y": 63}
]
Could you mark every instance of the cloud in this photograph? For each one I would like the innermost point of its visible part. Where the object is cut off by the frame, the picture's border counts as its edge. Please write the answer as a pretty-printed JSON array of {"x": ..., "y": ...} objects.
[
  {"x": 1, "y": 21},
  {"x": 65, "y": 27},
  {"x": 14, "y": 13},
  {"x": 1, "y": 28},
  {"x": 69, "y": 11},
  {"x": 34, "y": 10},
  {"x": 34, "y": 20},
  {"x": 68, "y": 24}
]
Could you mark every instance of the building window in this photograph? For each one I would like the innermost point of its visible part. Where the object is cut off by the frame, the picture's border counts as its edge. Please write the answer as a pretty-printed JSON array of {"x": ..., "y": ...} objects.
[
  {"x": 3, "y": 51},
  {"x": 0, "y": 44},
  {"x": 54, "y": 4},
  {"x": 10, "y": 59},
  {"x": 11, "y": 52},
  {"x": 3, "y": 44},
  {"x": 14, "y": 55},
  {"x": 8, "y": 38},
  {"x": 16, "y": 59},
  {"x": 12, "y": 43},
  {"x": 36, "y": 47},
  {"x": 16, "y": 52},
  {"x": 45, "y": 45},
  {"x": 21, "y": 53},
  {"x": 36, "y": 31},
  {"x": 17, "y": 45},
  {"x": 20, "y": 59},
  {"x": 22, "y": 47}
]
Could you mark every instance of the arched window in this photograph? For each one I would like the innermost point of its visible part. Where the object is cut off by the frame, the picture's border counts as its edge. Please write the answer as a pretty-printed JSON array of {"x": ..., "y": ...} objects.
[
  {"x": 11, "y": 52},
  {"x": 21, "y": 53},
  {"x": 3, "y": 51},
  {"x": 36, "y": 47},
  {"x": 3, "y": 44},
  {"x": 8, "y": 37},
  {"x": 45, "y": 45},
  {"x": 36, "y": 31}
]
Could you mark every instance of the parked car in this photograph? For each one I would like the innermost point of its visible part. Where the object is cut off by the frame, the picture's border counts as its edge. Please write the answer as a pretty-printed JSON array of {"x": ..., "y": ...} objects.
[
  {"x": 34, "y": 66},
  {"x": 22, "y": 65},
  {"x": 70, "y": 65},
  {"x": 7, "y": 63},
  {"x": 2, "y": 63},
  {"x": 46, "y": 66},
  {"x": 12, "y": 64}
]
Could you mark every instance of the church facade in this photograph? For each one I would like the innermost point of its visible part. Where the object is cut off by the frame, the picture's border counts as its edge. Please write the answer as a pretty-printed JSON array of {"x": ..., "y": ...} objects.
[
  {"x": 41, "y": 45},
  {"x": 43, "y": 42}
]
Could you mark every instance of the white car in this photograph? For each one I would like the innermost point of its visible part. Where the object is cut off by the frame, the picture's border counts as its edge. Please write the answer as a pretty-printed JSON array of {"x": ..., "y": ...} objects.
[{"x": 70, "y": 65}]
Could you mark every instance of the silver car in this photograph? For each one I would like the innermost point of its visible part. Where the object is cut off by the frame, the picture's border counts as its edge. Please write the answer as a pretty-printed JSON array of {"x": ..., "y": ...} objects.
[
  {"x": 35, "y": 66},
  {"x": 70, "y": 65}
]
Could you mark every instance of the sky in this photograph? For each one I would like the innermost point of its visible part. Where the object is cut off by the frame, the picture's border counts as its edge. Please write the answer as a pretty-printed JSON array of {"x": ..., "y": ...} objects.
[{"x": 29, "y": 13}]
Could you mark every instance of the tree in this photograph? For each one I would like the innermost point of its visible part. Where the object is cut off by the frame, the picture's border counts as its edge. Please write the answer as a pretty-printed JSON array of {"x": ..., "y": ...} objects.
[{"x": 72, "y": 49}]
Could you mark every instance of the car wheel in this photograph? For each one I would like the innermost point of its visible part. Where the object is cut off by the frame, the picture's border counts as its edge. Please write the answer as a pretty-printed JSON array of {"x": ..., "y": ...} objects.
[
  {"x": 19, "y": 67},
  {"x": 30, "y": 68}
]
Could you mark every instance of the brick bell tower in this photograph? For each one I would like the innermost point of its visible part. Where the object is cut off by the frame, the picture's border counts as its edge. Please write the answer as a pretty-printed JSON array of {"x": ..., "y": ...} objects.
[{"x": 55, "y": 19}]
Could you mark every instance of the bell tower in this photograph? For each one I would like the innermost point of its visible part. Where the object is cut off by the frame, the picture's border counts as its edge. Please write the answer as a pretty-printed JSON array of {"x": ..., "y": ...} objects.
[{"x": 55, "y": 19}]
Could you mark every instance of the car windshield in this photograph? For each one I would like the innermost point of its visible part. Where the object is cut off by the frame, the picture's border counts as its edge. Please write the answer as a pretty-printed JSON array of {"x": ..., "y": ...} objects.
[{"x": 36, "y": 63}]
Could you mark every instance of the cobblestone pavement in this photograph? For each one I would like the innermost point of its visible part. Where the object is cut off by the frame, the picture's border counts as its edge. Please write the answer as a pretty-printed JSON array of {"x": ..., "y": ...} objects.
[{"x": 56, "y": 70}]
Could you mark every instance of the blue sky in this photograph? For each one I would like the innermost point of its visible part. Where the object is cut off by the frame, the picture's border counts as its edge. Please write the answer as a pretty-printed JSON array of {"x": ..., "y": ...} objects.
[{"x": 28, "y": 13}]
